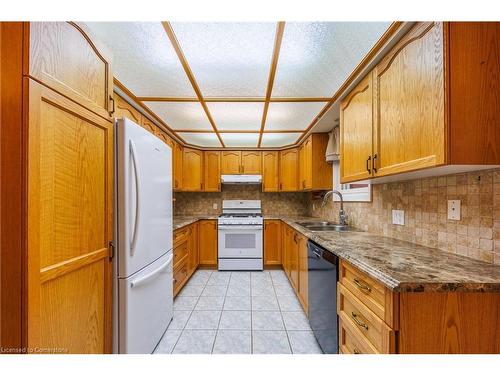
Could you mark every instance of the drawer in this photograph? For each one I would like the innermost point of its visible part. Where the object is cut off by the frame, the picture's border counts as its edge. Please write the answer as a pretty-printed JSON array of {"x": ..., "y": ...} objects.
[
  {"x": 181, "y": 251},
  {"x": 378, "y": 298},
  {"x": 366, "y": 323},
  {"x": 181, "y": 234},
  {"x": 351, "y": 342},
  {"x": 180, "y": 276}
]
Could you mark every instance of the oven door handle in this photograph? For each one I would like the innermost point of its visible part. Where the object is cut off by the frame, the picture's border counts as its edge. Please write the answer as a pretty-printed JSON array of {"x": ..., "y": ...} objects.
[{"x": 240, "y": 227}]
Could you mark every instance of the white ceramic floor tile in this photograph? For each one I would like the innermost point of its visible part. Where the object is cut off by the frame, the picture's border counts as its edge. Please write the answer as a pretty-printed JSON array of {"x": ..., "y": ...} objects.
[
  {"x": 268, "y": 303},
  {"x": 289, "y": 303},
  {"x": 260, "y": 276},
  {"x": 185, "y": 303},
  {"x": 237, "y": 303},
  {"x": 284, "y": 290},
  {"x": 262, "y": 290},
  {"x": 239, "y": 320},
  {"x": 168, "y": 341},
  {"x": 200, "y": 277},
  {"x": 267, "y": 321},
  {"x": 195, "y": 342},
  {"x": 219, "y": 278},
  {"x": 209, "y": 303},
  {"x": 203, "y": 320},
  {"x": 279, "y": 278},
  {"x": 240, "y": 276},
  {"x": 303, "y": 342},
  {"x": 295, "y": 320},
  {"x": 233, "y": 342},
  {"x": 191, "y": 290},
  {"x": 238, "y": 290},
  {"x": 214, "y": 291},
  {"x": 270, "y": 342},
  {"x": 179, "y": 319}
]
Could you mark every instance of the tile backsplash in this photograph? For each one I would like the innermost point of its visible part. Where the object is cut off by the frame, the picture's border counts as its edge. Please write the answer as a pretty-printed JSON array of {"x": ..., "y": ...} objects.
[
  {"x": 291, "y": 204},
  {"x": 424, "y": 201}
]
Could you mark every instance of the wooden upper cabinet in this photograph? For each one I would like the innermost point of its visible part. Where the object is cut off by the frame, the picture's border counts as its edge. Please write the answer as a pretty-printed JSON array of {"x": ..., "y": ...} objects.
[
  {"x": 231, "y": 162},
  {"x": 177, "y": 160},
  {"x": 211, "y": 168},
  {"x": 409, "y": 106},
  {"x": 67, "y": 58},
  {"x": 289, "y": 170},
  {"x": 272, "y": 243},
  {"x": 148, "y": 124},
  {"x": 125, "y": 109},
  {"x": 207, "y": 230},
  {"x": 192, "y": 176},
  {"x": 164, "y": 137},
  {"x": 356, "y": 132},
  {"x": 251, "y": 162},
  {"x": 270, "y": 171},
  {"x": 315, "y": 173}
]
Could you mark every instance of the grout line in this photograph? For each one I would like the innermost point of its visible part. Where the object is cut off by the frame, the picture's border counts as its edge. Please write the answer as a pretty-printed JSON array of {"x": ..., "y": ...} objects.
[
  {"x": 222, "y": 310},
  {"x": 251, "y": 315},
  {"x": 281, "y": 314}
]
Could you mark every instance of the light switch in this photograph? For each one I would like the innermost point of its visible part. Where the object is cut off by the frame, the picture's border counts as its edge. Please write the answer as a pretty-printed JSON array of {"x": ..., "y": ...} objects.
[
  {"x": 214, "y": 206},
  {"x": 453, "y": 209},
  {"x": 398, "y": 217}
]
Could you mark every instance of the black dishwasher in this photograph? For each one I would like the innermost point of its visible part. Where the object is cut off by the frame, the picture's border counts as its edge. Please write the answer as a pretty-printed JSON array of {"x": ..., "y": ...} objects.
[{"x": 322, "y": 268}]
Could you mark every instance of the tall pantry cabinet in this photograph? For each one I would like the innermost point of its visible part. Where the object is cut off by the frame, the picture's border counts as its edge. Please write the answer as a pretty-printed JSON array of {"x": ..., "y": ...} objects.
[{"x": 60, "y": 84}]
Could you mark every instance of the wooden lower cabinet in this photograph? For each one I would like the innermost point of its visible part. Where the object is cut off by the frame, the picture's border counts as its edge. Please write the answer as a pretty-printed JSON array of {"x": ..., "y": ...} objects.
[
  {"x": 272, "y": 243},
  {"x": 208, "y": 242},
  {"x": 303, "y": 272}
]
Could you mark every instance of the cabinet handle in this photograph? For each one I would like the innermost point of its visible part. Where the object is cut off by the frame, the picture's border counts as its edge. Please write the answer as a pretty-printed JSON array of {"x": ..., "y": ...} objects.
[
  {"x": 373, "y": 163},
  {"x": 281, "y": 186},
  {"x": 357, "y": 321},
  {"x": 201, "y": 185},
  {"x": 362, "y": 285},
  {"x": 113, "y": 107},
  {"x": 368, "y": 164}
]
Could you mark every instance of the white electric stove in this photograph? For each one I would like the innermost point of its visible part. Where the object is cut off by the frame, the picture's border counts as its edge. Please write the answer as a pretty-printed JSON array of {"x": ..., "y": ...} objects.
[{"x": 240, "y": 235}]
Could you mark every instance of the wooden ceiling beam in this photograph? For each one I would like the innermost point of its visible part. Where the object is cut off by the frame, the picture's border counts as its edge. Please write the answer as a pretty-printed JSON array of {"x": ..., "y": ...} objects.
[
  {"x": 175, "y": 43},
  {"x": 237, "y": 131},
  {"x": 280, "y": 28}
]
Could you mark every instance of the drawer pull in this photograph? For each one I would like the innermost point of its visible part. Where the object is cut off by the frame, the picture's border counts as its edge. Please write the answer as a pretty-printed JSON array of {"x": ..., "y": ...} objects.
[
  {"x": 358, "y": 322},
  {"x": 356, "y": 351},
  {"x": 363, "y": 286}
]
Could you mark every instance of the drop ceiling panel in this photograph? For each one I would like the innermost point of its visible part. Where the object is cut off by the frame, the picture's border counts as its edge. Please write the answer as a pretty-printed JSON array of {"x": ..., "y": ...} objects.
[
  {"x": 237, "y": 116},
  {"x": 143, "y": 58},
  {"x": 279, "y": 139},
  {"x": 317, "y": 57},
  {"x": 181, "y": 115},
  {"x": 228, "y": 59},
  {"x": 201, "y": 139},
  {"x": 292, "y": 116},
  {"x": 240, "y": 139}
]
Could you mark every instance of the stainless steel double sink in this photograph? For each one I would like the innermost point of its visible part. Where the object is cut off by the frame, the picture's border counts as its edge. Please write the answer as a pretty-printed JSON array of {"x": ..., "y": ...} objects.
[{"x": 323, "y": 226}]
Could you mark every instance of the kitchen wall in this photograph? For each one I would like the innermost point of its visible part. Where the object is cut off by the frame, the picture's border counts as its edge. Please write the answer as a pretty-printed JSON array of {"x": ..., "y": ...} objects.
[
  {"x": 290, "y": 204},
  {"x": 476, "y": 235}
]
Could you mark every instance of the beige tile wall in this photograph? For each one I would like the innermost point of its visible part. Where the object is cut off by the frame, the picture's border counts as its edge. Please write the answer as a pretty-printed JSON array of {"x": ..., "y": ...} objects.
[
  {"x": 291, "y": 204},
  {"x": 476, "y": 235}
]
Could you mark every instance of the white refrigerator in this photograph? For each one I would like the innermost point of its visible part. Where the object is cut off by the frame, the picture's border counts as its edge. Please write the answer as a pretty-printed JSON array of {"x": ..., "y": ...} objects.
[{"x": 143, "y": 263}]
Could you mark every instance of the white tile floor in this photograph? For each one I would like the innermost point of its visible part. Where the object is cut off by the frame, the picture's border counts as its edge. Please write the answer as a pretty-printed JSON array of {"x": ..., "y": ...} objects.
[{"x": 238, "y": 312}]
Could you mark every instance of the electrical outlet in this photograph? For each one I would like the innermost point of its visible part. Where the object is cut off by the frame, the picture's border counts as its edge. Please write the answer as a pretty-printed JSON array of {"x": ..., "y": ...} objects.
[
  {"x": 454, "y": 209},
  {"x": 398, "y": 217},
  {"x": 214, "y": 206}
]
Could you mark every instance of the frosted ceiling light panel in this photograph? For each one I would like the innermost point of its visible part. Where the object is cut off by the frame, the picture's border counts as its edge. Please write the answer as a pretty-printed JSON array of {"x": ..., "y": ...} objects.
[
  {"x": 240, "y": 139},
  {"x": 279, "y": 139},
  {"x": 201, "y": 139},
  {"x": 228, "y": 59},
  {"x": 143, "y": 58},
  {"x": 292, "y": 116},
  {"x": 181, "y": 115},
  {"x": 317, "y": 57},
  {"x": 236, "y": 116}
]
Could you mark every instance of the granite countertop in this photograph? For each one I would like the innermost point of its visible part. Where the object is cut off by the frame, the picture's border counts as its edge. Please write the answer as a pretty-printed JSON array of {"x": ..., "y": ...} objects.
[{"x": 400, "y": 265}]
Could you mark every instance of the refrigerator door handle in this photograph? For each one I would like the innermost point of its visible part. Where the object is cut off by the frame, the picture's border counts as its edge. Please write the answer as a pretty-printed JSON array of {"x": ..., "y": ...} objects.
[
  {"x": 133, "y": 154},
  {"x": 144, "y": 278}
]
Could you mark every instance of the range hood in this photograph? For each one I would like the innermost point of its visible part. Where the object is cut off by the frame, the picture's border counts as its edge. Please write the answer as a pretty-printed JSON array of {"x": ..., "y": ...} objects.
[{"x": 236, "y": 179}]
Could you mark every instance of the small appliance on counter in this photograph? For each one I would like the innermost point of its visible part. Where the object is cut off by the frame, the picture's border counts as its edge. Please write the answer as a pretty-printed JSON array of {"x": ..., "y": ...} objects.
[{"x": 240, "y": 235}]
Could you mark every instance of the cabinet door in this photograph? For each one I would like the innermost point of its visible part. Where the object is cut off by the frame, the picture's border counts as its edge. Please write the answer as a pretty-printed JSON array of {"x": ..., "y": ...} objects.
[
  {"x": 270, "y": 171},
  {"x": 211, "y": 170},
  {"x": 302, "y": 167},
  {"x": 208, "y": 242},
  {"x": 124, "y": 109},
  {"x": 177, "y": 157},
  {"x": 289, "y": 170},
  {"x": 308, "y": 161},
  {"x": 192, "y": 176},
  {"x": 194, "y": 258},
  {"x": 251, "y": 162},
  {"x": 356, "y": 132},
  {"x": 70, "y": 224},
  {"x": 303, "y": 275},
  {"x": 148, "y": 125},
  {"x": 409, "y": 86},
  {"x": 231, "y": 162},
  {"x": 287, "y": 239},
  {"x": 272, "y": 242},
  {"x": 294, "y": 260}
]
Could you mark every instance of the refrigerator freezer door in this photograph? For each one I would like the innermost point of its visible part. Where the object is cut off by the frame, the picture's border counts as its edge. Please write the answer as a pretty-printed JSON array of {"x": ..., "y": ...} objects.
[
  {"x": 144, "y": 194},
  {"x": 146, "y": 306}
]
